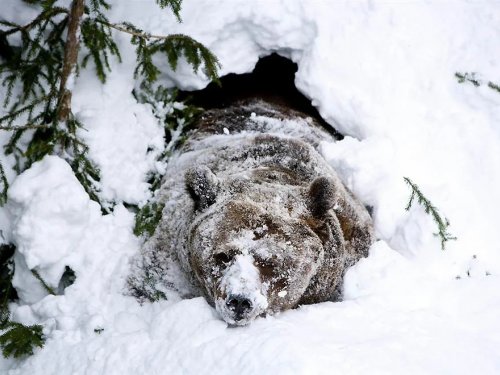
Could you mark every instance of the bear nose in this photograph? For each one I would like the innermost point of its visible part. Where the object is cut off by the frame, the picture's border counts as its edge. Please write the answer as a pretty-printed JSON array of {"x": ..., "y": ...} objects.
[{"x": 239, "y": 305}]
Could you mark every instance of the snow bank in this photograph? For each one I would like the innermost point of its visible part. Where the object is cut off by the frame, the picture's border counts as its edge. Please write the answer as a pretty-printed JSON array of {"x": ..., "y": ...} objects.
[
  {"x": 46, "y": 228},
  {"x": 380, "y": 72}
]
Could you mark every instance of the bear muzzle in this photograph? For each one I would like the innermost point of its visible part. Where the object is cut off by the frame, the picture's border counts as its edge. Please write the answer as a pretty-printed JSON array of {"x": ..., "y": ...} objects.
[
  {"x": 240, "y": 292},
  {"x": 240, "y": 306}
]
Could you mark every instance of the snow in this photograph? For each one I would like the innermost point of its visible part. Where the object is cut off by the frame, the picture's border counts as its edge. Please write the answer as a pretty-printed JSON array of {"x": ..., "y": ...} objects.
[
  {"x": 242, "y": 279},
  {"x": 383, "y": 74}
]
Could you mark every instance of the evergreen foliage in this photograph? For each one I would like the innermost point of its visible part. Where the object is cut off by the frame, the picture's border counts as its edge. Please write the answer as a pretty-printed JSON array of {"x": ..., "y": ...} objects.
[
  {"x": 7, "y": 291},
  {"x": 176, "y": 118},
  {"x": 472, "y": 78},
  {"x": 98, "y": 40},
  {"x": 494, "y": 86},
  {"x": 38, "y": 71},
  {"x": 174, "y": 5},
  {"x": 468, "y": 77},
  {"x": 19, "y": 340},
  {"x": 37, "y": 74},
  {"x": 429, "y": 208},
  {"x": 147, "y": 219},
  {"x": 46, "y": 286},
  {"x": 147, "y": 288},
  {"x": 173, "y": 46}
]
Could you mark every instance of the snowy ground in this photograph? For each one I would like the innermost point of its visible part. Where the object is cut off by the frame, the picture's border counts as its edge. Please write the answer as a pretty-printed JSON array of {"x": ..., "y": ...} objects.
[{"x": 381, "y": 72}]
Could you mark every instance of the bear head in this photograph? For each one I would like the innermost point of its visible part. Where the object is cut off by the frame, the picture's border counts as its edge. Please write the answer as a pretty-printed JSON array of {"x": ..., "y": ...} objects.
[{"x": 255, "y": 247}]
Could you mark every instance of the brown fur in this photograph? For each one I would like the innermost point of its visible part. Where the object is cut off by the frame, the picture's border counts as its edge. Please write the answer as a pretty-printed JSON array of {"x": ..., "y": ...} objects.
[{"x": 257, "y": 217}]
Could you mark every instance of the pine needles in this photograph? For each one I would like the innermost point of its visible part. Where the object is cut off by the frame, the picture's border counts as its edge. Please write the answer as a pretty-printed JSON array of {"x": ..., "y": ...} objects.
[
  {"x": 429, "y": 208},
  {"x": 147, "y": 219},
  {"x": 46, "y": 286},
  {"x": 472, "y": 78},
  {"x": 174, "y": 5},
  {"x": 176, "y": 119},
  {"x": 98, "y": 40},
  {"x": 39, "y": 62},
  {"x": 19, "y": 340},
  {"x": 32, "y": 75},
  {"x": 36, "y": 73},
  {"x": 173, "y": 46},
  {"x": 7, "y": 291}
]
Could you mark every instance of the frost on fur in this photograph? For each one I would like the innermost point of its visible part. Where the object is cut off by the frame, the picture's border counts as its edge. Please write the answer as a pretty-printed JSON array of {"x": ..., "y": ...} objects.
[{"x": 254, "y": 219}]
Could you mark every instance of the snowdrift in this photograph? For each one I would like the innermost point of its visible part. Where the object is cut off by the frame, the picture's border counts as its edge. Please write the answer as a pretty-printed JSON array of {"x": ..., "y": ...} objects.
[{"x": 383, "y": 74}]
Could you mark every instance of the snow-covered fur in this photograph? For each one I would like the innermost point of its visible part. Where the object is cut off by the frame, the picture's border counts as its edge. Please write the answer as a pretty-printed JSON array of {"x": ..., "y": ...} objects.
[{"x": 255, "y": 219}]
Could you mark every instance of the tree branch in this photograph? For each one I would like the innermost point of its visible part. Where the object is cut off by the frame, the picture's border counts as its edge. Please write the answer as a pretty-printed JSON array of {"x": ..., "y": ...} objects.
[
  {"x": 70, "y": 59},
  {"x": 37, "y": 20},
  {"x": 146, "y": 35},
  {"x": 23, "y": 127}
]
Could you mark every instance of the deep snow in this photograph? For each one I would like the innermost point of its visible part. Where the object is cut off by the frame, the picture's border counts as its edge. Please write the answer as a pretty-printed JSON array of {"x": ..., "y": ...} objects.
[{"x": 383, "y": 74}]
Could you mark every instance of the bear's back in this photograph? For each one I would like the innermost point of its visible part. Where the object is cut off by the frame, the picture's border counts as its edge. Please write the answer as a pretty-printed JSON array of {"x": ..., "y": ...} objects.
[{"x": 264, "y": 152}]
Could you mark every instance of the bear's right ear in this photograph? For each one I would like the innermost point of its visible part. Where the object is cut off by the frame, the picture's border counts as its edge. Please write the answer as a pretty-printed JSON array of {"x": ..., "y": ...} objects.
[
  {"x": 203, "y": 186},
  {"x": 321, "y": 196}
]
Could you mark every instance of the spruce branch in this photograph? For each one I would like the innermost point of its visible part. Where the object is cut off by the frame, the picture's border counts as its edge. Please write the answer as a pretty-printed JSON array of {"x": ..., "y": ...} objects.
[
  {"x": 4, "y": 185},
  {"x": 174, "y": 5},
  {"x": 472, "y": 78},
  {"x": 19, "y": 340},
  {"x": 36, "y": 73},
  {"x": 494, "y": 86},
  {"x": 42, "y": 17},
  {"x": 22, "y": 127},
  {"x": 430, "y": 209},
  {"x": 97, "y": 38},
  {"x": 468, "y": 77},
  {"x": 173, "y": 45},
  {"x": 7, "y": 291},
  {"x": 148, "y": 218},
  {"x": 46, "y": 286},
  {"x": 176, "y": 118},
  {"x": 15, "y": 112}
]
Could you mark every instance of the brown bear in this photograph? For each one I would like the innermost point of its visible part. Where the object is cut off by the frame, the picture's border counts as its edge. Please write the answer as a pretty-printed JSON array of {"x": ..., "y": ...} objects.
[{"x": 255, "y": 220}]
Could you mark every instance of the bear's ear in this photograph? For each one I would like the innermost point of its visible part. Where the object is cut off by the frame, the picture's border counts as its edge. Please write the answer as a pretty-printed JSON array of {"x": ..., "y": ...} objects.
[
  {"x": 203, "y": 186},
  {"x": 321, "y": 196}
]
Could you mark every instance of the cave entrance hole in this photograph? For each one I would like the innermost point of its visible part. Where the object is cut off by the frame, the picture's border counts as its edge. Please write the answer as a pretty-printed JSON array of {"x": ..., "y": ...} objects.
[{"x": 273, "y": 80}]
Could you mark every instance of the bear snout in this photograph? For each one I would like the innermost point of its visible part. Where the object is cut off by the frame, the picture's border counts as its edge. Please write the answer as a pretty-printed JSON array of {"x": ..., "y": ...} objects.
[
  {"x": 240, "y": 306},
  {"x": 240, "y": 296}
]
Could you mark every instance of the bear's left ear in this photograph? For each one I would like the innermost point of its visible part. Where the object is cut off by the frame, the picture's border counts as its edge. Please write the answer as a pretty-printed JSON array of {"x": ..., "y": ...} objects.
[
  {"x": 321, "y": 196},
  {"x": 202, "y": 185}
]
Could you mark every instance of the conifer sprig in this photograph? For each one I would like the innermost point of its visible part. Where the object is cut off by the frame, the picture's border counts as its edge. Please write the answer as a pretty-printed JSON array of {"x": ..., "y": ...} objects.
[
  {"x": 98, "y": 40},
  {"x": 173, "y": 46},
  {"x": 7, "y": 291},
  {"x": 4, "y": 183},
  {"x": 36, "y": 71},
  {"x": 16, "y": 339},
  {"x": 46, "y": 286},
  {"x": 174, "y": 5},
  {"x": 472, "y": 78},
  {"x": 494, "y": 86},
  {"x": 430, "y": 209},
  {"x": 19, "y": 340}
]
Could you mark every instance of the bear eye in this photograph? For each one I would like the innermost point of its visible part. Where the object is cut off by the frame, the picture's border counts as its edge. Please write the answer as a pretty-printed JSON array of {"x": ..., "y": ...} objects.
[
  {"x": 267, "y": 267},
  {"x": 222, "y": 258}
]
